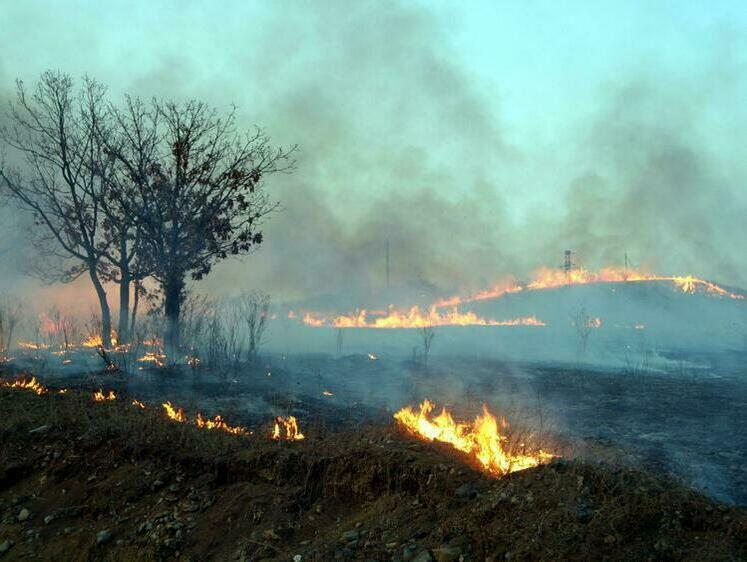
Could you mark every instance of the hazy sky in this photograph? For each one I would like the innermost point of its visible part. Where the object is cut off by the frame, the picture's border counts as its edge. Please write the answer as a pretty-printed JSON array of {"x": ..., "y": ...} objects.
[{"x": 481, "y": 138}]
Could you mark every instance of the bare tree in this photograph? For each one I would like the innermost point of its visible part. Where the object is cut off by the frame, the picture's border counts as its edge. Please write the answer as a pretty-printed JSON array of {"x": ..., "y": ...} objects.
[
  {"x": 10, "y": 315},
  {"x": 63, "y": 330},
  {"x": 583, "y": 323},
  {"x": 255, "y": 308},
  {"x": 55, "y": 128},
  {"x": 194, "y": 185},
  {"x": 427, "y": 334},
  {"x": 339, "y": 341}
]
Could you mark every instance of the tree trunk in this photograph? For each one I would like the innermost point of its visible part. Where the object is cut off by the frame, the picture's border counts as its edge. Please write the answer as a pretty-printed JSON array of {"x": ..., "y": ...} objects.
[
  {"x": 106, "y": 319},
  {"x": 123, "y": 331},
  {"x": 172, "y": 290},
  {"x": 135, "y": 302}
]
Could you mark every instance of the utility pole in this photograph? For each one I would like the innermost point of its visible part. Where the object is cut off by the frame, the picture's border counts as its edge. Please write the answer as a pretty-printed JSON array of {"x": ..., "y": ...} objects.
[{"x": 567, "y": 266}]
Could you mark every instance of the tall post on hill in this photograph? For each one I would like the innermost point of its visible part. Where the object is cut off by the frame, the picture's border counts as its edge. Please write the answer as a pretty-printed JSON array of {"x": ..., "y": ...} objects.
[{"x": 568, "y": 266}]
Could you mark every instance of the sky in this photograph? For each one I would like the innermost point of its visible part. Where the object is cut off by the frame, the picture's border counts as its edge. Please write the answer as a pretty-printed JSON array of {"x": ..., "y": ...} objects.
[{"x": 481, "y": 138}]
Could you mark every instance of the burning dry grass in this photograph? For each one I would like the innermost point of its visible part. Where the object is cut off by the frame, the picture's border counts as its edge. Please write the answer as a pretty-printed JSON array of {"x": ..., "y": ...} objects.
[
  {"x": 286, "y": 429},
  {"x": 30, "y": 384},
  {"x": 445, "y": 312},
  {"x": 485, "y": 439},
  {"x": 414, "y": 317},
  {"x": 273, "y": 500},
  {"x": 289, "y": 425}
]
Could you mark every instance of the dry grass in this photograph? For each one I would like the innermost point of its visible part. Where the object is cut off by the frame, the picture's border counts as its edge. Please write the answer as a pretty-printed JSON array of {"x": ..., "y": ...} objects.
[{"x": 268, "y": 500}]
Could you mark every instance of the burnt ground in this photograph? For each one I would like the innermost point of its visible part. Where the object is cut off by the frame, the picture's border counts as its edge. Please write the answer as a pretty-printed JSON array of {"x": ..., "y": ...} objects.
[
  {"x": 105, "y": 481},
  {"x": 686, "y": 419}
]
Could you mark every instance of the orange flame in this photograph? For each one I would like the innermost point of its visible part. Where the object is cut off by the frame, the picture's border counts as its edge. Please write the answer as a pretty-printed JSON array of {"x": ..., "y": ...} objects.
[
  {"x": 482, "y": 439},
  {"x": 138, "y": 404},
  {"x": 218, "y": 423},
  {"x": 99, "y": 396},
  {"x": 32, "y": 345},
  {"x": 32, "y": 385},
  {"x": 290, "y": 427},
  {"x": 414, "y": 317},
  {"x": 547, "y": 278},
  {"x": 95, "y": 340},
  {"x": 158, "y": 359},
  {"x": 176, "y": 414}
]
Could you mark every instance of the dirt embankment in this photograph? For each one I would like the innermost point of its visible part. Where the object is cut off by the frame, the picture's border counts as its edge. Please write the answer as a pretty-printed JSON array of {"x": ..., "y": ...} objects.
[{"x": 108, "y": 481}]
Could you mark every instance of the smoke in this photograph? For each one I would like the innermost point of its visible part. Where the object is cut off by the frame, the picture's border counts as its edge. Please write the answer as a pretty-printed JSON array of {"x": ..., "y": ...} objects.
[
  {"x": 658, "y": 187},
  {"x": 401, "y": 142}
]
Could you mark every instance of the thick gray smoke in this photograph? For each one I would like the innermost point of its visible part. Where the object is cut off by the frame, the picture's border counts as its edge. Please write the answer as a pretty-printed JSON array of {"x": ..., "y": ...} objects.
[{"x": 400, "y": 142}]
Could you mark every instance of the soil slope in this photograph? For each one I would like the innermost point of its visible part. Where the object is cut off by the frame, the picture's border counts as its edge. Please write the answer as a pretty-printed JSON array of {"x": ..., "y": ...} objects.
[{"x": 107, "y": 481}]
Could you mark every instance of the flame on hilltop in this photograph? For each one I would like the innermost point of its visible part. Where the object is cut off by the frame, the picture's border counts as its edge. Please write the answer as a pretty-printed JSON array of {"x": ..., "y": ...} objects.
[
  {"x": 413, "y": 317},
  {"x": 547, "y": 278},
  {"x": 482, "y": 439},
  {"x": 287, "y": 429}
]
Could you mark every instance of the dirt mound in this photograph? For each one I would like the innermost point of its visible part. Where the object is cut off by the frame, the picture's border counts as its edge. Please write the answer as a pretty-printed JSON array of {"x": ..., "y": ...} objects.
[{"x": 108, "y": 481}]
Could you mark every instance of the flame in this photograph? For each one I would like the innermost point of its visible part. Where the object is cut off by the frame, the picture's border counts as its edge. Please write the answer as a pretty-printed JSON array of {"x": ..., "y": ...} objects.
[
  {"x": 325, "y": 393},
  {"x": 99, "y": 396},
  {"x": 547, "y": 278},
  {"x": 95, "y": 340},
  {"x": 312, "y": 320},
  {"x": 290, "y": 427},
  {"x": 152, "y": 357},
  {"x": 32, "y": 385},
  {"x": 594, "y": 322},
  {"x": 372, "y": 357},
  {"x": 414, "y": 317},
  {"x": 176, "y": 414},
  {"x": 218, "y": 423},
  {"x": 32, "y": 345},
  {"x": 543, "y": 278},
  {"x": 482, "y": 439}
]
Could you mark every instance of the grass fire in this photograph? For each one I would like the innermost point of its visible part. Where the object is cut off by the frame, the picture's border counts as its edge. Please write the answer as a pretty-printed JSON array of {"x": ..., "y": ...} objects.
[
  {"x": 481, "y": 439},
  {"x": 401, "y": 282}
]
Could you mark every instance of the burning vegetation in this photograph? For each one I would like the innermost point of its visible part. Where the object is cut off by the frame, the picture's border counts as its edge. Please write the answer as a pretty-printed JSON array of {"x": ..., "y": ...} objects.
[
  {"x": 164, "y": 191},
  {"x": 445, "y": 312},
  {"x": 484, "y": 439},
  {"x": 286, "y": 429}
]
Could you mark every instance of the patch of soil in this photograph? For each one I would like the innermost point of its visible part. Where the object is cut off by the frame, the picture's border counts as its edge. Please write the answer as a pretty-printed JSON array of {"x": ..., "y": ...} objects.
[{"x": 107, "y": 481}]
